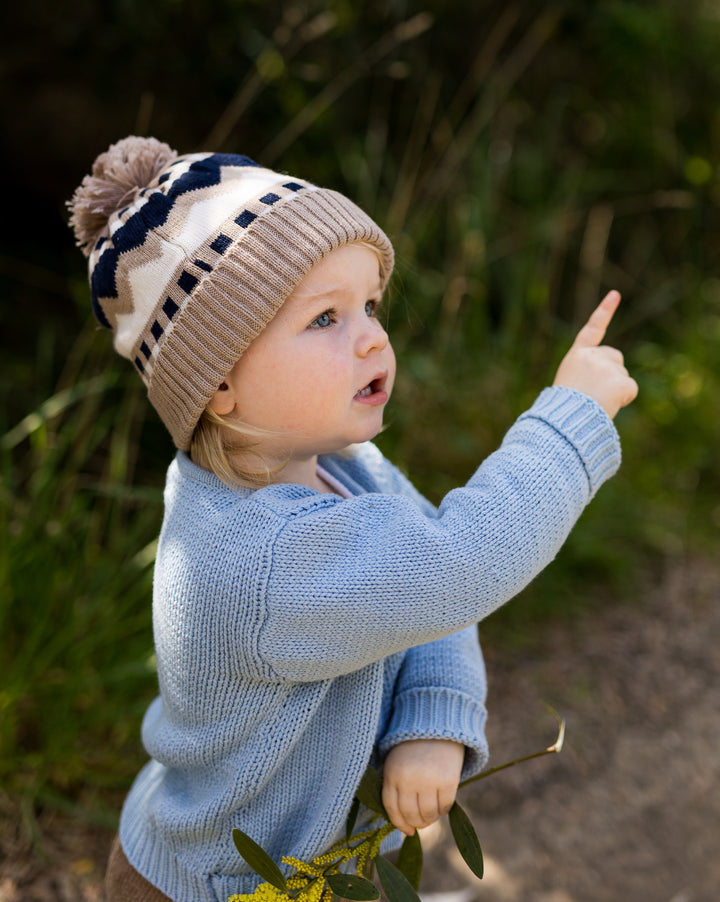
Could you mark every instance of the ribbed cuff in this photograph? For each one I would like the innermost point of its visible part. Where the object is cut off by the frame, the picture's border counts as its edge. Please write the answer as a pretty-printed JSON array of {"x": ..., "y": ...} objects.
[
  {"x": 585, "y": 425},
  {"x": 440, "y": 714}
]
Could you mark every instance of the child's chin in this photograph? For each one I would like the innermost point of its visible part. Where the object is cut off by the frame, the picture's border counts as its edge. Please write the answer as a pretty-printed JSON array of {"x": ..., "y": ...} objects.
[{"x": 369, "y": 437}]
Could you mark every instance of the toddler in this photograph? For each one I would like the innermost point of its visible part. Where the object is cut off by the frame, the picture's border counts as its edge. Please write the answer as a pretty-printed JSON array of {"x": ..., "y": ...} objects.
[{"x": 312, "y": 611}]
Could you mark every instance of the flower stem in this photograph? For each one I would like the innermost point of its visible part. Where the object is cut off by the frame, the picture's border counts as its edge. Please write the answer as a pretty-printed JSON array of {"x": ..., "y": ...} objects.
[{"x": 551, "y": 750}]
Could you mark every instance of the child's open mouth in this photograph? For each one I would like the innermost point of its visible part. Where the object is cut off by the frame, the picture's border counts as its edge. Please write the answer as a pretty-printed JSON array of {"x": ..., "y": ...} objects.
[{"x": 374, "y": 392}]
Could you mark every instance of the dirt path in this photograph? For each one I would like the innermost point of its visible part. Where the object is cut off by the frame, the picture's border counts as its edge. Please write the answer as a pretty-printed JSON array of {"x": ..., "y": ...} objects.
[{"x": 629, "y": 812}]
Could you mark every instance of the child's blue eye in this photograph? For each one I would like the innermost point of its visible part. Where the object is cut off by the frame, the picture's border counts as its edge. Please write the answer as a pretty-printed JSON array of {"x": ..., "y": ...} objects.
[
  {"x": 323, "y": 321},
  {"x": 371, "y": 307}
]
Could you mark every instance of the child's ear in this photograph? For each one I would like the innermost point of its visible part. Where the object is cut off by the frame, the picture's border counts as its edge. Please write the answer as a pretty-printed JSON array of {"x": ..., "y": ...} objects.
[{"x": 223, "y": 401}]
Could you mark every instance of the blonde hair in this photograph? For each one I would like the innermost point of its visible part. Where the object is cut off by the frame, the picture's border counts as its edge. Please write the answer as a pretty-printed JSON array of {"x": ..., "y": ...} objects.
[{"x": 213, "y": 450}]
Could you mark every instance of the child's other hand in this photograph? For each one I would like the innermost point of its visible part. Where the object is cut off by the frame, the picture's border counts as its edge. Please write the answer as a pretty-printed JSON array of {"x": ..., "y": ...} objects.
[
  {"x": 420, "y": 779},
  {"x": 598, "y": 370}
]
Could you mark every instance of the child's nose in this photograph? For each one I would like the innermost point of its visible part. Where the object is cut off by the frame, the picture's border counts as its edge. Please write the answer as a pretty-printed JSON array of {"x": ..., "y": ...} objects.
[{"x": 372, "y": 338}]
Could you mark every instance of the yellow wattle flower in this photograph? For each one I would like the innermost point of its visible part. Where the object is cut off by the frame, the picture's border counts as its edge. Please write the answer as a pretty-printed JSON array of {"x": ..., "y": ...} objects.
[{"x": 308, "y": 883}]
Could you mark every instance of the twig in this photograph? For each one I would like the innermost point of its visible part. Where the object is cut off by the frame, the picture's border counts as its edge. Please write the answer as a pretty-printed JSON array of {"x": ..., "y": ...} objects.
[{"x": 551, "y": 750}]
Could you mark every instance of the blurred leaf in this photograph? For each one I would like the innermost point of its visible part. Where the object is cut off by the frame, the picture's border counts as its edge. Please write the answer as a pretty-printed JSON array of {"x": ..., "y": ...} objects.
[
  {"x": 466, "y": 839},
  {"x": 352, "y": 817},
  {"x": 259, "y": 860},
  {"x": 369, "y": 868},
  {"x": 394, "y": 883},
  {"x": 369, "y": 791},
  {"x": 410, "y": 859},
  {"x": 53, "y": 406},
  {"x": 350, "y": 886}
]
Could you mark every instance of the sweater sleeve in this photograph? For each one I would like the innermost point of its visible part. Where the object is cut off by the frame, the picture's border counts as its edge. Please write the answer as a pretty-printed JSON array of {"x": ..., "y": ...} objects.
[
  {"x": 440, "y": 694},
  {"x": 352, "y": 582},
  {"x": 440, "y": 690}
]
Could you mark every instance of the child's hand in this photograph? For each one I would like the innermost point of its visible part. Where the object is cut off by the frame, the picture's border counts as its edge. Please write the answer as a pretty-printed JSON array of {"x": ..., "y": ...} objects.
[
  {"x": 598, "y": 370},
  {"x": 420, "y": 779}
]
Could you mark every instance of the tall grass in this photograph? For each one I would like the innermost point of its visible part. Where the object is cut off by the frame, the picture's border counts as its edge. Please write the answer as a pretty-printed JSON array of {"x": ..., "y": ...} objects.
[{"x": 75, "y": 583}]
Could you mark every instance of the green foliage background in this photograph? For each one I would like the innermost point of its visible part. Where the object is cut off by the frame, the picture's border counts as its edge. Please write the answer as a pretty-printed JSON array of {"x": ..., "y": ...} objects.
[{"x": 524, "y": 159}]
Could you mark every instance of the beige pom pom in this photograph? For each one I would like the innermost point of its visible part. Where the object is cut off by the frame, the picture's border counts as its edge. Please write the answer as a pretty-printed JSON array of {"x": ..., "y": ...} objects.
[{"x": 117, "y": 175}]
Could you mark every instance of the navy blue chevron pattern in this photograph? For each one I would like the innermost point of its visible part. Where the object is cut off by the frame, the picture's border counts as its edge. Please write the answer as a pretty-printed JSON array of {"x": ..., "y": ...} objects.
[{"x": 201, "y": 174}]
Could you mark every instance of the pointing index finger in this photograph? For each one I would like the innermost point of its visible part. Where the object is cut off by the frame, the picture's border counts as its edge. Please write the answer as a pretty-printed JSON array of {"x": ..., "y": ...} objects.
[{"x": 593, "y": 332}]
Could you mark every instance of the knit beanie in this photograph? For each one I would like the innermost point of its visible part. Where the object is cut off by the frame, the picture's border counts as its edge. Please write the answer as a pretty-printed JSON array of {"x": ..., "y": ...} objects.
[{"x": 190, "y": 257}]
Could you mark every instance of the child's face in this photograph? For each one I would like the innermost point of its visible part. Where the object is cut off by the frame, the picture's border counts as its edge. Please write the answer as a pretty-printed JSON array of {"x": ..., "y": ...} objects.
[{"x": 323, "y": 369}]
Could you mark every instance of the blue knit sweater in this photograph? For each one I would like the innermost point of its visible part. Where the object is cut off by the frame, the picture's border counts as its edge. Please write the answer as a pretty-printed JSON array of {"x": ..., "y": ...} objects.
[{"x": 298, "y": 633}]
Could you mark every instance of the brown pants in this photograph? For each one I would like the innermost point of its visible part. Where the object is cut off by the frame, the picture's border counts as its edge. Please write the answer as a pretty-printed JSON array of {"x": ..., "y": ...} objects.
[{"x": 124, "y": 884}]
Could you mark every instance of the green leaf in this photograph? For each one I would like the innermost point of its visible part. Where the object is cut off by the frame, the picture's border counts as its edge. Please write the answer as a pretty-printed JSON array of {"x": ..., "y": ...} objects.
[
  {"x": 259, "y": 860},
  {"x": 410, "y": 859},
  {"x": 369, "y": 791},
  {"x": 369, "y": 868},
  {"x": 396, "y": 886},
  {"x": 466, "y": 839},
  {"x": 352, "y": 818},
  {"x": 350, "y": 886}
]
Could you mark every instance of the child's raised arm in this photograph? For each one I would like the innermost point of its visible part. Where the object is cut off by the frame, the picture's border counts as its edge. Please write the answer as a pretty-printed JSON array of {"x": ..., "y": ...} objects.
[
  {"x": 598, "y": 370},
  {"x": 328, "y": 586}
]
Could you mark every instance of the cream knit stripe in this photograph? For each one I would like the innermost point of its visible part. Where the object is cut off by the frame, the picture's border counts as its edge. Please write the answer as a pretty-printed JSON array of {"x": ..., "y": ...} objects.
[
  {"x": 147, "y": 268},
  {"x": 194, "y": 260}
]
